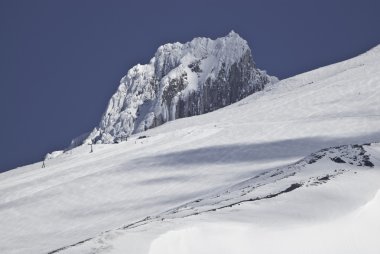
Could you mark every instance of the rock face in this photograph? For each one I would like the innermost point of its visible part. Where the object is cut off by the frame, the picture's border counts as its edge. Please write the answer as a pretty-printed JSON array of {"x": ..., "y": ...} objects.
[{"x": 181, "y": 80}]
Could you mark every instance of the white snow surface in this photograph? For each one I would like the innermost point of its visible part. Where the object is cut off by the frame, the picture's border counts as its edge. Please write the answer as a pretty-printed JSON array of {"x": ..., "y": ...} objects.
[{"x": 238, "y": 180}]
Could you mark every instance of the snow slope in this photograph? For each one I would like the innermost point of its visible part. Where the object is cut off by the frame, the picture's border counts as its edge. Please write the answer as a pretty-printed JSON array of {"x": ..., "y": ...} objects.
[
  {"x": 316, "y": 205},
  {"x": 142, "y": 195}
]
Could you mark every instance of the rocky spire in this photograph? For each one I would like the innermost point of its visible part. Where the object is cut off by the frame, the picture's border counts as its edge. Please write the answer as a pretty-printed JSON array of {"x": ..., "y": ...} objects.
[{"x": 181, "y": 80}]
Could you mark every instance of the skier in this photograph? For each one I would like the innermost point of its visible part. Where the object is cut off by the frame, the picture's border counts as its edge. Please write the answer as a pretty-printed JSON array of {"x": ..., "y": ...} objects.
[{"x": 43, "y": 164}]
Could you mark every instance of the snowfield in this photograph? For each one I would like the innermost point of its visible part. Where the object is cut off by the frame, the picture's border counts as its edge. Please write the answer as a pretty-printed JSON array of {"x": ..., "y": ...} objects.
[{"x": 294, "y": 168}]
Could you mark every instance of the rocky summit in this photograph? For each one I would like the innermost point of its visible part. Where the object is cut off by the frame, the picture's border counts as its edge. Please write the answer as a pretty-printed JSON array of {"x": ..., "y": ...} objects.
[{"x": 181, "y": 80}]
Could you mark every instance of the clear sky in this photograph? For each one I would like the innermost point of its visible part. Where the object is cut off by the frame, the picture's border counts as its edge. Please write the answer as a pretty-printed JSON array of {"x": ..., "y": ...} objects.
[{"x": 60, "y": 61}]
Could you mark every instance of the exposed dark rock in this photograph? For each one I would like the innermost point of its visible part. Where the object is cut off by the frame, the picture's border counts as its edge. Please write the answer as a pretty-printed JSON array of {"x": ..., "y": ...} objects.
[
  {"x": 314, "y": 158},
  {"x": 368, "y": 163},
  {"x": 337, "y": 160},
  {"x": 324, "y": 178}
]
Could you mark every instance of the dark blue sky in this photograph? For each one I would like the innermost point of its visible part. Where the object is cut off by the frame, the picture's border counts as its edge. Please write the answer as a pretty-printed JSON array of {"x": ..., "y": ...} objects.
[{"x": 60, "y": 61}]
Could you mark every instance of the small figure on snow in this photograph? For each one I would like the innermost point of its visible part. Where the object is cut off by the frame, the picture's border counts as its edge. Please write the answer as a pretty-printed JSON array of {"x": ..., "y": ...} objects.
[{"x": 43, "y": 164}]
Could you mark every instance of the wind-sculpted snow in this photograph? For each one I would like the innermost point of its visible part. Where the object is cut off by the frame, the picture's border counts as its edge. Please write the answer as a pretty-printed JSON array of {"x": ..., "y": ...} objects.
[
  {"x": 320, "y": 168},
  {"x": 181, "y": 80}
]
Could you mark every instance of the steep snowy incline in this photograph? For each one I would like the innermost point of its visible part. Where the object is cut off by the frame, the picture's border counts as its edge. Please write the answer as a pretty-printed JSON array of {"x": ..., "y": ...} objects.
[
  {"x": 81, "y": 194},
  {"x": 181, "y": 80},
  {"x": 315, "y": 205}
]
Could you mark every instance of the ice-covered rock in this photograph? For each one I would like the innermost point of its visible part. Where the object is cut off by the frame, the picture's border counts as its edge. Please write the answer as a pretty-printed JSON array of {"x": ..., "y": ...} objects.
[
  {"x": 53, "y": 155},
  {"x": 181, "y": 80}
]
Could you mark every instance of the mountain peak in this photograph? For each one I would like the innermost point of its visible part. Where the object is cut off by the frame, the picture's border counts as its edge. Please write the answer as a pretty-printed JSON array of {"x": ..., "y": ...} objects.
[
  {"x": 181, "y": 80},
  {"x": 232, "y": 33}
]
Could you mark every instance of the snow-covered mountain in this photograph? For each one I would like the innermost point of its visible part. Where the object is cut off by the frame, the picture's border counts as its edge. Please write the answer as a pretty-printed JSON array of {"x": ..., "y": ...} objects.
[
  {"x": 293, "y": 168},
  {"x": 181, "y": 80}
]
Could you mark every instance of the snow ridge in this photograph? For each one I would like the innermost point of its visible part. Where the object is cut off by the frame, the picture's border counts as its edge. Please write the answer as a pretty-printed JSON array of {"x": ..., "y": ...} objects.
[{"x": 319, "y": 168}]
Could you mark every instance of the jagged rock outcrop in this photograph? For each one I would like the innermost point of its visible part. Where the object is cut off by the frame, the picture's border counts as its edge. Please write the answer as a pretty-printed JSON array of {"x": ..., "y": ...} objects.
[{"x": 181, "y": 80}]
